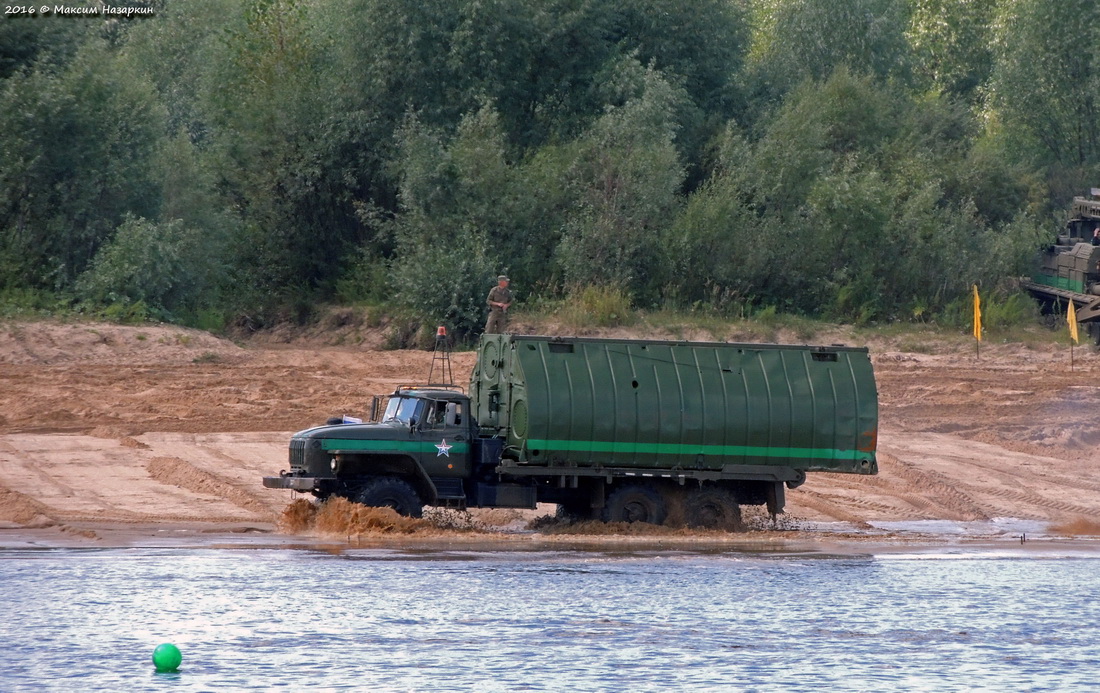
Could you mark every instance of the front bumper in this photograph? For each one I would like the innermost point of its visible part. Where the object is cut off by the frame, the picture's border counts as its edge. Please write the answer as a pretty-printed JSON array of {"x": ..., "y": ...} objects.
[{"x": 294, "y": 483}]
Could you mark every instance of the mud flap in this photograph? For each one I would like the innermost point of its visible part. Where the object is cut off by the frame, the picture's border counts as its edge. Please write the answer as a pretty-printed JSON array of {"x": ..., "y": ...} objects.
[{"x": 776, "y": 498}]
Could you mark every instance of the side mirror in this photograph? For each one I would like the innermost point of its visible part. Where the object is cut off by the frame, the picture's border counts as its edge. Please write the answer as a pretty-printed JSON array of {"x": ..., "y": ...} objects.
[{"x": 412, "y": 424}]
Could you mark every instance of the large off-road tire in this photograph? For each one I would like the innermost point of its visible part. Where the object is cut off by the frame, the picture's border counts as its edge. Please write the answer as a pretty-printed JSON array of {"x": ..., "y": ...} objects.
[
  {"x": 390, "y": 492},
  {"x": 636, "y": 503},
  {"x": 712, "y": 508}
]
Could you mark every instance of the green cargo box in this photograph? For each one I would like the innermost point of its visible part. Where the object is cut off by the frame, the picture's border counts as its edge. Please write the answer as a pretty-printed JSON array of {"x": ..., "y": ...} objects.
[{"x": 689, "y": 405}]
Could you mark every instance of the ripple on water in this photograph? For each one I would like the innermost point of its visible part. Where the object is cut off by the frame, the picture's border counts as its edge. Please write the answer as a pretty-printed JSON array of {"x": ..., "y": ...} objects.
[{"x": 89, "y": 620}]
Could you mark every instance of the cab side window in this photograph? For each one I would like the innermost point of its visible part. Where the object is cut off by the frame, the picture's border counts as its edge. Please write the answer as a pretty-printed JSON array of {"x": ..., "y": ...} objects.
[
  {"x": 438, "y": 414},
  {"x": 445, "y": 414},
  {"x": 453, "y": 416}
]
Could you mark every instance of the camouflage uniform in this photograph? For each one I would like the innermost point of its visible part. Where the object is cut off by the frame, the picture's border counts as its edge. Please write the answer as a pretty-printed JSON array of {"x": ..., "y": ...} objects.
[{"x": 498, "y": 317}]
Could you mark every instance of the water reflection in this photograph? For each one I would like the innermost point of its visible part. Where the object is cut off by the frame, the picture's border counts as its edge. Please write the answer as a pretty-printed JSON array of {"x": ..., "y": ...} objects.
[{"x": 547, "y": 620}]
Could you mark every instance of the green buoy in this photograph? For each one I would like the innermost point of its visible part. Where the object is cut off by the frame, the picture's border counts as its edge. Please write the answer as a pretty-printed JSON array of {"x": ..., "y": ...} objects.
[{"x": 167, "y": 657}]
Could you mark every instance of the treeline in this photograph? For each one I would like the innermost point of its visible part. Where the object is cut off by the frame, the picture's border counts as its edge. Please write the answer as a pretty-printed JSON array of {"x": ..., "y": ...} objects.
[{"x": 865, "y": 160}]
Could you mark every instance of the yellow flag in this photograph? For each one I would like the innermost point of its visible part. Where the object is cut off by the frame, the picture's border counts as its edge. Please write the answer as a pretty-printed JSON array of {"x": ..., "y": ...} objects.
[
  {"x": 977, "y": 315},
  {"x": 1071, "y": 318}
]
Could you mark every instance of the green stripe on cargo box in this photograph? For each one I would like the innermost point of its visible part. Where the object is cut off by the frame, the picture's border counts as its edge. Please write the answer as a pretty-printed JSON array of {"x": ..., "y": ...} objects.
[
  {"x": 687, "y": 449},
  {"x": 1076, "y": 285},
  {"x": 389, "y": 445}
]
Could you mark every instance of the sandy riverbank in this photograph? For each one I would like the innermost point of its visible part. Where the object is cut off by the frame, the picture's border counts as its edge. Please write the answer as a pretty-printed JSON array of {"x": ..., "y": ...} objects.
[{"x": 119, "y": 435}]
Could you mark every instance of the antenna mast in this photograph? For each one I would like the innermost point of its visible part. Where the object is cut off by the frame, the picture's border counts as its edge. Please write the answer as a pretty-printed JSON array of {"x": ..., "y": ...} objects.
[{"x": 441, "y": 354}]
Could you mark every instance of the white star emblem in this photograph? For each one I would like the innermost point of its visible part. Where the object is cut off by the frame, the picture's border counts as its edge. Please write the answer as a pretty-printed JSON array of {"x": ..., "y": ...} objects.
[{"x": 444, "y": 449}]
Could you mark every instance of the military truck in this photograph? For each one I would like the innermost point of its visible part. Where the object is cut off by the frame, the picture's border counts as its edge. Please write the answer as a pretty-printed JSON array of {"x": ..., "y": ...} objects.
[
  {"x": 1069, "y": 269},
  {"x": 613, "y": 429}
]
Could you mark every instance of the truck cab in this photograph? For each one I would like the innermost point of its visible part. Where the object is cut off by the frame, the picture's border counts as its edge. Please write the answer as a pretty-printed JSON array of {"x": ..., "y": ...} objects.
[{"x": 416, "y": 453}]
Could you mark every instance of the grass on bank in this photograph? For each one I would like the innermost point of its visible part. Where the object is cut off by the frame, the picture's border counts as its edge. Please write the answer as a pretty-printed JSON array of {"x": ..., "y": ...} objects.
[{"x": 1013, "y": 317}]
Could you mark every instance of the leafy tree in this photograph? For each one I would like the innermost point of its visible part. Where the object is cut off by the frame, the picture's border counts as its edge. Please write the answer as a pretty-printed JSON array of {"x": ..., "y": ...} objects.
[
  {"x": 77, "y": 155},
  {"x": 542, "y": 65},
  {"x": 412, "y": 55},
  {"x": 847, "y": 248},
  {"x": 699, "y": 46},
  {"x": 37, "y": 43},
  {"x": 795, "y": 40},
  {"x": 858, "y": 202},
  {"x": 885, "y": 157},
  {"x": 628, "y": 174},
  {"x": 467, "y": 184},
  {"x": 283, "y": 149},
  {"x": 819, "y": 125},
  {"x": 457, "y": 202},
  {"x": 952, "y": 44},
  {"x": 720, "y": 251},
  {"x": 445, "y": 282},
  {"x": 491, "y": 56},
  {"x": 1046, "y": 78},
  {"x": 183, "y": 52}
]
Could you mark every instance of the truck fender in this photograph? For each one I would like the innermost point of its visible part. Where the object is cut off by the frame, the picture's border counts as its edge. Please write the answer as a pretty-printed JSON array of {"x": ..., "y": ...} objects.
[{"x": 401, "y": 466}]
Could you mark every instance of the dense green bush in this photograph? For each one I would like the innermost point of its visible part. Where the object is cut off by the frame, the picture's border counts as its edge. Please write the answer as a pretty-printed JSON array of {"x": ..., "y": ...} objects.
[
  {"x": 166, "y": 266},
  {"x": 446, "y": 283}
]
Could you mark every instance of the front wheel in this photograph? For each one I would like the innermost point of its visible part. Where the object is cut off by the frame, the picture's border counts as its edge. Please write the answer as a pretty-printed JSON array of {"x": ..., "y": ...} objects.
[
  {"x": 390, "y": 492},
  {"x": 636, "y": 503}
]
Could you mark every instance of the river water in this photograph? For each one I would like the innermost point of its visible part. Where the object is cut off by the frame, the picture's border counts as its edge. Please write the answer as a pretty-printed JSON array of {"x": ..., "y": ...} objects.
[{"x": 422, "y": 620}]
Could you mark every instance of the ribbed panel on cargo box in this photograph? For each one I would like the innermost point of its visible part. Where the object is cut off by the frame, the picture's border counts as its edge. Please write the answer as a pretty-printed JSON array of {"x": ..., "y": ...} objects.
[{"x": 689, "y": 404}]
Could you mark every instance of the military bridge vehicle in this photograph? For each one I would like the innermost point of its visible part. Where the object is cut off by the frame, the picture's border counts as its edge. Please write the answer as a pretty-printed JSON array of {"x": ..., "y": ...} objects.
[
  {"x": 1069, "y": 269},
  {"x": 613, "y": 429}
]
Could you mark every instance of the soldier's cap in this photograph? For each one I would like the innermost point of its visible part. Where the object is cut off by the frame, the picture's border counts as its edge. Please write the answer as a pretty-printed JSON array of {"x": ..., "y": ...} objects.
[{"x": 502, "y": 278}]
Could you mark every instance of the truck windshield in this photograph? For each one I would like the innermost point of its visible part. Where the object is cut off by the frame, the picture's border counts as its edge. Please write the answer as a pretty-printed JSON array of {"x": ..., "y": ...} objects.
[{"x": 402, "y": 409}]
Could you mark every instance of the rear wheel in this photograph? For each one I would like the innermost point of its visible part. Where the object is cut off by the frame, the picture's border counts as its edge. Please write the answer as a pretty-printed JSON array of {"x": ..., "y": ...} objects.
[
  {"x": 389, "y": 492},
  {"x": 712, "y": 508},
  {"x": 636, "y": 503}
]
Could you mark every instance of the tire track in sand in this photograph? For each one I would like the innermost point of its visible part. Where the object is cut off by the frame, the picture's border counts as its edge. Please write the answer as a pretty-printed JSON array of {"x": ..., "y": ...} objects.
[
  {"x": 943, "y": 494},
  {"x": 998, "y": 482},
  {"x": 825, "y": 505}
]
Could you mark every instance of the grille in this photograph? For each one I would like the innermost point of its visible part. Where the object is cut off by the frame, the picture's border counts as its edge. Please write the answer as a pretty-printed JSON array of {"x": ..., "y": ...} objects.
[{"x": 297, "y": 454}]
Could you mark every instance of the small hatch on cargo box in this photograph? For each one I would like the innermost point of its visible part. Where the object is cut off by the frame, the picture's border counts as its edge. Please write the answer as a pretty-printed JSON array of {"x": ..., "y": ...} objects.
[
  {"x": 559, "y": 348},
  {"x": 829, "y": 356}
]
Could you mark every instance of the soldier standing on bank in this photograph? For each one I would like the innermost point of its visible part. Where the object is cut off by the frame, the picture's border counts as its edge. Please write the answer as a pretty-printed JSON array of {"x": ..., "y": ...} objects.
[{"x": 500, "y": 298}]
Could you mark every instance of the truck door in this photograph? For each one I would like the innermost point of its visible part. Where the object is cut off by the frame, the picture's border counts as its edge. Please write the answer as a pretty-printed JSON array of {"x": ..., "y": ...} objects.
[{"x": 445, "y": 438}]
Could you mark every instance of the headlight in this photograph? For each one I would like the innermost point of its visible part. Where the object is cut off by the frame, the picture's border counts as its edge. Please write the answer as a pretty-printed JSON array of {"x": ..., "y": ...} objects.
[{"x": 333, "y": 464}]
